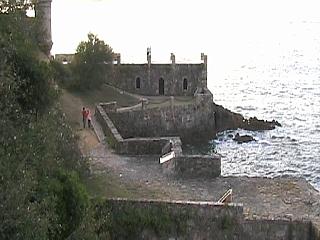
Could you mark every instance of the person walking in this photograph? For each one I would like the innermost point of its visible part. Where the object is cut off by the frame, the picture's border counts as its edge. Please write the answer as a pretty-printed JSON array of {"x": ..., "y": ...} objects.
[
  {"x": 89, "y": 118},
  {"x": 84, "y": 116}
]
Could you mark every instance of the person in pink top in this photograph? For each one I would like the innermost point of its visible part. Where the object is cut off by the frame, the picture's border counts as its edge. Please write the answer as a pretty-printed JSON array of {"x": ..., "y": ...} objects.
[
  {"x": 89, "y": 118},
  {"x": 84, "y": 116}
]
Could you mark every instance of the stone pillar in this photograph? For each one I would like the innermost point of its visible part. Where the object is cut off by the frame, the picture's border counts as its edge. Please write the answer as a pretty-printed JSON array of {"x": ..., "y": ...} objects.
[
  {"x": 203, "y": 80},
  {"x": 173, "y": 59},
  {"x": 43, "y": 18},
  {"x": 172, "y": 90},
  {"x": 149, "y": 56},
  {"x": 149, "y": 64}
]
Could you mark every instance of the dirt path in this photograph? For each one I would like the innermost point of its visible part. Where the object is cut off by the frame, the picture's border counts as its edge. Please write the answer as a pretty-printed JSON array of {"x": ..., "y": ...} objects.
[{"x": 72, "y": 106}]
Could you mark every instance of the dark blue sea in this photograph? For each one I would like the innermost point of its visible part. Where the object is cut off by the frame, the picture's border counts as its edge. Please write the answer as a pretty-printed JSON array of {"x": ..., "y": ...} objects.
[{"x": 278, "y": 78}]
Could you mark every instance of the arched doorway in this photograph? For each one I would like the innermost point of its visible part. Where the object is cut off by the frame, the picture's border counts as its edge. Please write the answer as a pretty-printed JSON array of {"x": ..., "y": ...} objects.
[
  {"x": 185, "y": 84},
  {"x": 161, "y": 86},
  {"x": 138, "y": 82}
]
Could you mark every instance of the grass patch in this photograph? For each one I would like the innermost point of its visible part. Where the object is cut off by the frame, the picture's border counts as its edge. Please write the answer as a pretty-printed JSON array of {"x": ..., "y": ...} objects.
[
  {"x": 106, "y": 94},
  {"x": 108, "y": 185}
]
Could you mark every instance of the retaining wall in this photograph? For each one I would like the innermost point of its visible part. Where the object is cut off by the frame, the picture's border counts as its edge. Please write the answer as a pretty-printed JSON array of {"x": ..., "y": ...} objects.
[
  {"x": 145, "y": 219},
  {"x": 185, "y": 166},
  {"x": 130, "y": 146},
  {"x": 193, "y": 166},
  {"x": 188, "y": 121}
]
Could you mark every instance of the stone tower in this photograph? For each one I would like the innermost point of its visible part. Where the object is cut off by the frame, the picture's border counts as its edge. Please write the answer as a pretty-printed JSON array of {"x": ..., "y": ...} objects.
[{"x": 43, "y": 17}]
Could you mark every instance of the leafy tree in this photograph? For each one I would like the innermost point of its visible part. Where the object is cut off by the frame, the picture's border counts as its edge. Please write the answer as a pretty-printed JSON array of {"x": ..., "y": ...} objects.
[
  {"x": 41, "y": 195},
  {"x": 91, "y": 63}
]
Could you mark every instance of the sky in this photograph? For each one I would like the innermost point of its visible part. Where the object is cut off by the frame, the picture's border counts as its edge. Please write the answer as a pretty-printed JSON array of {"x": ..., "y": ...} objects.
[{"x": 223, "y": 29}]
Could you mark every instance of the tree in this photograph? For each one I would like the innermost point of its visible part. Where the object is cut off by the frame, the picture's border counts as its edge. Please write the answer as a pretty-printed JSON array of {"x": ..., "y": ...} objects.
[
  {"x": 40, "y": 196},
  {"x": 91, "y": 63}
]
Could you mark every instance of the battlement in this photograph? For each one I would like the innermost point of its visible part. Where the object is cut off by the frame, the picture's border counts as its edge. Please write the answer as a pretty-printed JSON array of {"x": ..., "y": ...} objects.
[{"x": 151, "y": 79}]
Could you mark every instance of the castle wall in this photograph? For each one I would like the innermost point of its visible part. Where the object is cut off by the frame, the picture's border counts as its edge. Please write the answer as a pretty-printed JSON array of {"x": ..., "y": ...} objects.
[
  {"x": 184, "y": 166},
  {"x": 189, "y": 121},
  {"x": 143, "y": 219},
  {"x": 124, "y": 76},
  {"x": 130, "y": 146}
]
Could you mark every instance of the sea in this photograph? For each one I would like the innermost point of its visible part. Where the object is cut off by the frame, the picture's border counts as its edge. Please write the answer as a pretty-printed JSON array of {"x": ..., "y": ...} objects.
[{"x": 277, "y": 78}]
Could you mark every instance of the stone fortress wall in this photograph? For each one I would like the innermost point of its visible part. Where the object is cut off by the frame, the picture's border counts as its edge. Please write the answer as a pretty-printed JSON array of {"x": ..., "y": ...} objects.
[
  {"x": 188, "y": 121},
  {"x": 186, "y": 166},
  {"x": 205, "y": 220},
  {"x": 159, "y": 79}
]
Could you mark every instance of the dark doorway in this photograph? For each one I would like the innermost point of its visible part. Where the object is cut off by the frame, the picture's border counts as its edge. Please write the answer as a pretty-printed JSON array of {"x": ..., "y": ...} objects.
[
  {"x": 137, "y": 82},
  {"x": 185, "y": 84},
  {"x": 161, "y": 86}
]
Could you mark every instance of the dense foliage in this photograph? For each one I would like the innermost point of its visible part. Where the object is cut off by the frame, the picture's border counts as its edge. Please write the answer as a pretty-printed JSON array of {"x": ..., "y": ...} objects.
[
  {"x": 41, "y": 194},
  {"x": 91, "y": 63}
]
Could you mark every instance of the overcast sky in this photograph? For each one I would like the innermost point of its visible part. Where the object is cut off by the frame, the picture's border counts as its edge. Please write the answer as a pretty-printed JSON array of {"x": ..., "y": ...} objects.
[{"x": 221, "y": 28}]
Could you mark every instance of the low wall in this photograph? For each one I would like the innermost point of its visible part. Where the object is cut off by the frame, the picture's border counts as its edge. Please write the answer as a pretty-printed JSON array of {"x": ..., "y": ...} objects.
[
  {"x": 186, "y": 166},
  {"x": 145, "y": 219},
  {"x": 112, "y": 135},
  {"x": 171, "y": 219},
  {"x": 277, "y": 229},
  {"x": 193, "y": 166},
  {"x": 142, "y": 146},
  {"x": 315, "y": 231},
  {"x": 130, "y": 146},
  {"x": 188, "y": 121}
]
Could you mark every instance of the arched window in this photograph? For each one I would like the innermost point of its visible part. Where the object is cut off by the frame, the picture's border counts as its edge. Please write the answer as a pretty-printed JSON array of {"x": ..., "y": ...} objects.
[
  {"x": 138, "y": 82},
  {"x": 185, "y": 84}
]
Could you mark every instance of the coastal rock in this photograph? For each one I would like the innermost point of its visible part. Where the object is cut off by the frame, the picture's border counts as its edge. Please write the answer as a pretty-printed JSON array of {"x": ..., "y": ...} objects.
[
  {"x": 254, "y": 124},
  {"x": 243, "y": 138},
  {"x": 228, "y": 120}
]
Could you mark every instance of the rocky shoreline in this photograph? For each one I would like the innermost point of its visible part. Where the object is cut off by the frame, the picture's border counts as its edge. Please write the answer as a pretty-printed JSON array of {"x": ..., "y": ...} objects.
[{"x": 228, "y": 120}]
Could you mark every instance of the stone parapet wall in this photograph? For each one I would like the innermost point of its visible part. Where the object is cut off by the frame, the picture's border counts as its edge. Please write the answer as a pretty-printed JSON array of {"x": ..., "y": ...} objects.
[
  {"x": 188, "y": 121},
  {"x": 174, "y": 219},
  {"x": 112, "y": 135},
  {"x": 193, "y": 166},
  {"x": 142, "y": 146},
  {"x": 283, "y": 229},
  {"x": 131, "y": 146},
  {"x": 315, "y": 231},
  {"x": 156, "y": 219},
  {"x": 185, "y": 166}
]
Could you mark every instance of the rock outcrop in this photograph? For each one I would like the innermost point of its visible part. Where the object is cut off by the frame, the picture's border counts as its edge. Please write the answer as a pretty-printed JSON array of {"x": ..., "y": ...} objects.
[
  {"x": 243, "y": 138},
  {"x": 227, "y": 120}
]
